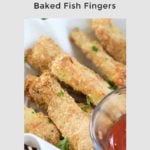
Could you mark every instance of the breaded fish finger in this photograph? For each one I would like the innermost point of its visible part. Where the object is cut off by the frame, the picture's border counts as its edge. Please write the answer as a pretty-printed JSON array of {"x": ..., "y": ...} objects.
[
  {"x": 30, "y": 81},
  {"x": 68, "y": 70},
  {"x": 42, "y": 54},
  {"x": 80, "y": 78},
  {"x": 112, "y": 69},
  {"x": 36, "y": 98},
  {"x": 70, "y": 120},
  {"x": 40, "y": 125},
  {"x": 111, "y": 38}
]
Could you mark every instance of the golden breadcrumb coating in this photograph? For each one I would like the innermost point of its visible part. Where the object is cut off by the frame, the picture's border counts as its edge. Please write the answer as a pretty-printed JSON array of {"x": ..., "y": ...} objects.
[
  {"x": 32, "y": 93},
  {"x": 112, "y": 69},
  {"x": 30, "y": 81},
  {"x": 111, "y": 38},
  {"x": 70, "y": 120},
  {"x": 80, "y": 78},
  {"x": 40, "y": 125},
  {"x": 68, "y": 70},
  {"x": 42, "y": 54}
]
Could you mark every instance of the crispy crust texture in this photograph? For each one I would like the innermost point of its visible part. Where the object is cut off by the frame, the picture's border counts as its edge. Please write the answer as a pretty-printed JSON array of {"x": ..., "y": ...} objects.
[
  {"x": 68, "y": 70},
  {"x": 32, "y": 93},
  {"x": 112, "y": 69},
  {"x": 71, "y": 121},
  {"x": 111, "y": 38},
  {"x": 42, "y": 54},
  {"x": 40, "y": 125},
  {"x": 80, "y": 78}
]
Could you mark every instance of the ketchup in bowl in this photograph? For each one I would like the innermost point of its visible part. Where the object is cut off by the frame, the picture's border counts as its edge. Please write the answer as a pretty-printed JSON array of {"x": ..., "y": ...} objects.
[
  {"x": 108, "y": 122},
  {"x": 116, "y": 139}
]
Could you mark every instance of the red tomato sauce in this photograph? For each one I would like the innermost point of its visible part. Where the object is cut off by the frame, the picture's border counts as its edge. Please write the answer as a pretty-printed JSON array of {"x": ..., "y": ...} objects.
[{"x": 116, "y": 139}]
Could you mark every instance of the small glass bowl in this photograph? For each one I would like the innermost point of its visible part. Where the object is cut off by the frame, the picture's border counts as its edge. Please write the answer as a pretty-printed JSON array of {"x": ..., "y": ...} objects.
[{"x": 111, "y": 108}]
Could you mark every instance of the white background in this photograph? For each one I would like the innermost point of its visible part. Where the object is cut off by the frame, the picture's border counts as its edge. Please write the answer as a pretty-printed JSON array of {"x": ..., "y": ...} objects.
[{"x": 12, "y": 68}]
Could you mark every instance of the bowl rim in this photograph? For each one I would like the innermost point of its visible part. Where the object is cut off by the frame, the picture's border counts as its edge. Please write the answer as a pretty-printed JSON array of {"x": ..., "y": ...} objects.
[{"x": 94, "y": 112}]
